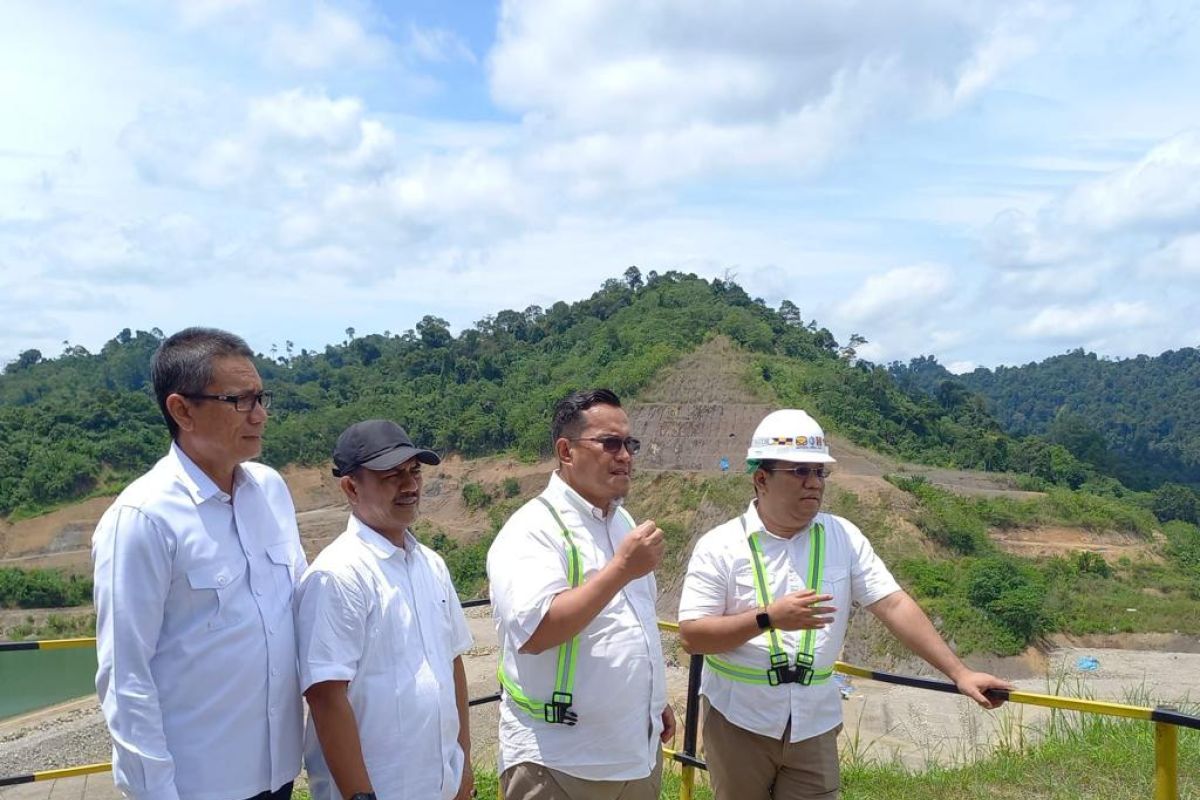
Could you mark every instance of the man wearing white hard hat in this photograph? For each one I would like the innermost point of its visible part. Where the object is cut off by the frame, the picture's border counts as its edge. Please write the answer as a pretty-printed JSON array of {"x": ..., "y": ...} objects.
[{"x": 766, "y": 599}]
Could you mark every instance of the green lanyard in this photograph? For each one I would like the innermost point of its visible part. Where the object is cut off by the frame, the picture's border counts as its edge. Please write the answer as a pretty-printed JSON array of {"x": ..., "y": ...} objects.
[
  {"x": 558, "y": 710},
  {"x": 781, "y": 670}
]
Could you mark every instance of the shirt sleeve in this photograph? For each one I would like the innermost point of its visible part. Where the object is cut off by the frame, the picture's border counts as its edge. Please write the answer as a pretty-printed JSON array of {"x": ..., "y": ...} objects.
[
  {"x": 132, "y": 578},
  {"x": 460, "y": 634},
  {"x": 331, "y": 628},
  {"x": 527, "y": 569},
  {"x": 705, "y": 585},
  {"x": 870, "y": 579}
]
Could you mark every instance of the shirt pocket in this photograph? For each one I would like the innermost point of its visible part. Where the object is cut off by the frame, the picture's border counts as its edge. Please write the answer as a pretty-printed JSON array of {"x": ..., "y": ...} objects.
[
  {"x": 742, "y": 589},
  {"x": 213, "y": 589},
  {"x": 835, "y": 582},
  {"x": 283, "y": 568}
]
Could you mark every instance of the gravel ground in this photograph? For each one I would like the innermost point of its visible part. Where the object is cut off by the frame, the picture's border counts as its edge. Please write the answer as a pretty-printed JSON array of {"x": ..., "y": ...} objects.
[{"x": 54, "y": 741}]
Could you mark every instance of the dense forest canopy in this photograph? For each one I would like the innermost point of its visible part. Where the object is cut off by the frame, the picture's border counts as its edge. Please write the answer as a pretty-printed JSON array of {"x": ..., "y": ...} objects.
[
  {"x": 1137, "y": 418},
  {"x": 82, "y": 423}
]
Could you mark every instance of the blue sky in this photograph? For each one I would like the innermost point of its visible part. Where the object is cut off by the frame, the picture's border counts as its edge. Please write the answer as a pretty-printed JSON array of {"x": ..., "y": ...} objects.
[{"x": 988, "y": 182}]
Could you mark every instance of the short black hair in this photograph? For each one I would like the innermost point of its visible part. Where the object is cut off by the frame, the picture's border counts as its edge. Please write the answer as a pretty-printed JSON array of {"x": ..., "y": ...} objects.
[
  {"x": 183, "y": 364},
  {"x": 568, "y": 412}
]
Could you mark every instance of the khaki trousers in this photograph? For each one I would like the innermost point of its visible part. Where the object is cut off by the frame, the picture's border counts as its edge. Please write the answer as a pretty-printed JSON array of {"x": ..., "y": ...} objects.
[
  {"x": 529, "y": 781},
  {"x": 748, "y": 766}
]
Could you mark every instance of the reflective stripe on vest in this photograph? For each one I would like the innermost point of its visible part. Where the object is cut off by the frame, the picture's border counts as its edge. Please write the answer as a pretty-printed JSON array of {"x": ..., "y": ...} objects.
[
  {"x": 781, "y": 670},
  {"x": 558, "y": 710}
]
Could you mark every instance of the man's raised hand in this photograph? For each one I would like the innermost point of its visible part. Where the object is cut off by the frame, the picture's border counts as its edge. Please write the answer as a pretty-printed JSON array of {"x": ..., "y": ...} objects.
[{"x": 641, "y": 551}]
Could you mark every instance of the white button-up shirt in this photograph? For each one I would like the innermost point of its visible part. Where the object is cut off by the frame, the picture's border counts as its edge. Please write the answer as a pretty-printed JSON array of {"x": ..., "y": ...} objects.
[
  {"x": 720, "y": 582},
  {"x": 196, "y": 647},
  {"x": 620, "y": 685},
  {"x": 388, "y": 620}
]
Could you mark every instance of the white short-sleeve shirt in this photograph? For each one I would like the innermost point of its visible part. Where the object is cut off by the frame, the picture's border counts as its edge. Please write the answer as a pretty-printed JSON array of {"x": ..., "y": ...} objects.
[
  {"x": 620, "y": 683},
  {"x": 388, "y": 620},
  {"x": 720, "y": 582}
]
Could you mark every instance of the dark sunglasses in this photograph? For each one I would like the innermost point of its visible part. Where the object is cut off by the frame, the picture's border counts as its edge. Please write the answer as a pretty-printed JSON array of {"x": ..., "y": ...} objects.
[
  {"x": 613, "y": 444},
  {"x": 803, "y": 471},
  {"x": 242, "y": 402}
]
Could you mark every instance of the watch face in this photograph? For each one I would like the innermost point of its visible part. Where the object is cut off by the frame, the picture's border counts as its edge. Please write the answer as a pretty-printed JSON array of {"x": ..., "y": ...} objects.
[{"x": 764, "y": 621}]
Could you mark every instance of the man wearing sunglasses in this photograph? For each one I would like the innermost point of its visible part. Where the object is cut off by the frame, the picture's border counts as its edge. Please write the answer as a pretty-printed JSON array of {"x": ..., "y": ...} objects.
[
  {"x": 573, "y": 593},
  {"x": 767, "y": 599},
  {"x": 195, "y": 565}
]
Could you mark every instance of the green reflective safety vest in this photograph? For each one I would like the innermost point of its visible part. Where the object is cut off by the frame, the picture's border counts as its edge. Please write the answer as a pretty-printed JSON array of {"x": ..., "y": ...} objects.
[
  {"x": 558, "y": 710},
  {"x": 781, "y": 669}
]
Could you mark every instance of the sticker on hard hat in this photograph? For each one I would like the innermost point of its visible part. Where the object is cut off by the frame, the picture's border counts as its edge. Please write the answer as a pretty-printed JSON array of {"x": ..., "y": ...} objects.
[{"x": 806, "y": 442}]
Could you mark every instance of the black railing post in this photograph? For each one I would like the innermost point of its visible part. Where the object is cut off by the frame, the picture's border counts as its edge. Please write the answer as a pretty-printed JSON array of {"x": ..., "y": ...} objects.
[{"x": 691, "y": 726}]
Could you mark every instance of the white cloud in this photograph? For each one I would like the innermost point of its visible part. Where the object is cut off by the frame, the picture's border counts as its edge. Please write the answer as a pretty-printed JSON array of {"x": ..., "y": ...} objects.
[
  {"x": 438, "y": 45},
  {"x": 961, "y": 367},
  {"x": 198, "y": 13},
  {"x": 645, "y": 93},
  {"x": 1122, "y": 214},
  {"x": 1161, "y": 191},
  {"x": 1075, "y": 324},
  {"x": 300, "y": 116},
  {"x": 1017, "y": 240},
  {"x": 1056, "y": 283},
  {"x": 1179, "y": 258},
  {"x": 903, "y": 293},
  {"x": 330, "y": 37}
]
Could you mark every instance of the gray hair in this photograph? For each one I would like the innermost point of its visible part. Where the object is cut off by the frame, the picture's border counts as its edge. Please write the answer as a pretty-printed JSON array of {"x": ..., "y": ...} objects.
[{"x": 183, "y": 364}]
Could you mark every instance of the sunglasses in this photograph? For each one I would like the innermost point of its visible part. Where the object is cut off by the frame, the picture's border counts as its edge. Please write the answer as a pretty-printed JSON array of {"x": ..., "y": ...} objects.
[
  {"x": 613, "y": 444},
  {"x": 803, "y": 471}
]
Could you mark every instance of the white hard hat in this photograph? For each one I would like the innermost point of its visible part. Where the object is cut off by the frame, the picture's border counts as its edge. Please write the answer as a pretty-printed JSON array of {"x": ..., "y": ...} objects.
[{"x": 789, "y": 435}]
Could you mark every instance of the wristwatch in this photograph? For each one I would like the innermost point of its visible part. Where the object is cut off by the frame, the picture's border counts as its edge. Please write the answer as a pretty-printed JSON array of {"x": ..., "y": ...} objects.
[
  {"x": 762, "y": 618},
  {"x": 363, "y": 796}
]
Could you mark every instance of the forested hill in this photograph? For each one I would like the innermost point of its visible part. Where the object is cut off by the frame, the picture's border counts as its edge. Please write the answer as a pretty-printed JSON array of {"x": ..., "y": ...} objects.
[
  {"x": 1137, "y": 417},
  {"x": 83, "y": 423}
]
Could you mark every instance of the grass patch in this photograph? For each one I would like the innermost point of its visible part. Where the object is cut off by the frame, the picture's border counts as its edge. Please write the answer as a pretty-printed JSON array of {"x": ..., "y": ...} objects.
[
  {"x": 53, "y": 626},
  {"x": 988, "y": 601},
  {"x": 1081, "y": 756}
]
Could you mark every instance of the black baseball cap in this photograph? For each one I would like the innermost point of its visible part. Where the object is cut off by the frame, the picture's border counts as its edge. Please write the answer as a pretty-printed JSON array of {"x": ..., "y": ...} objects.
[{"x": 377, "y": 444}]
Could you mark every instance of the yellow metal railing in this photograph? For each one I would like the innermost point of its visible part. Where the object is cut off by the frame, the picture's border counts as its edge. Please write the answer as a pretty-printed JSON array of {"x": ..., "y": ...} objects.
[{"x": 1166, "y": 721}]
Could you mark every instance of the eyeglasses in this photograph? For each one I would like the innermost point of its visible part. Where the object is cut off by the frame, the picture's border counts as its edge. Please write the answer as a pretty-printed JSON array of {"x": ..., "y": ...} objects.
[
  {"x": 613, "y": 444},
  {"x": 802, "y": 471},
  {"x": 242, "y": 402}
]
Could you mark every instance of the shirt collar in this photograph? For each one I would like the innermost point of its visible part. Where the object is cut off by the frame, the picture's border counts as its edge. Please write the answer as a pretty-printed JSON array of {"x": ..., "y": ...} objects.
[
  {"x": 199, "y": 486},
  {"x": 755, "y": 523},
  {"x": 379, "y": 544},
  {"x": 561, "y": 489}
]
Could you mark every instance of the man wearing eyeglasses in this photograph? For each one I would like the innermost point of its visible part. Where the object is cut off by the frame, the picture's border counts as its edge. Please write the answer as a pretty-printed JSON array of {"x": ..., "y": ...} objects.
[
  {"x": 195, "y": 565},
  {"x": 767, "y": 599},
  {"x": 573, "y": 592}
]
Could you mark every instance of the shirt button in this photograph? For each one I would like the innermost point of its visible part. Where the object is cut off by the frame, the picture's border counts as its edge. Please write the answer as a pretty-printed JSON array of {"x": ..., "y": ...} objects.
[
  {"x": 258, "y": 592},
  {"x": 272, "y": 709},
  {"x": 221, "y": 581},
  {"x": 274, "y": 673}
]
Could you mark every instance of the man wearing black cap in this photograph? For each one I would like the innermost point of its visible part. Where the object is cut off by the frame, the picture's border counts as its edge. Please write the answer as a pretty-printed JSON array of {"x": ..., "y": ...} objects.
[{"x": 381, "y": 636}]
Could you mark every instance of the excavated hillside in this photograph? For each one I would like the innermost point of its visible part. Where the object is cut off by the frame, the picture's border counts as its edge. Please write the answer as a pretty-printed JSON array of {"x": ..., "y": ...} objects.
[{"x": 690, "y": 417}]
